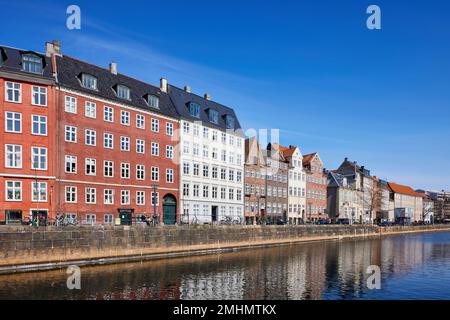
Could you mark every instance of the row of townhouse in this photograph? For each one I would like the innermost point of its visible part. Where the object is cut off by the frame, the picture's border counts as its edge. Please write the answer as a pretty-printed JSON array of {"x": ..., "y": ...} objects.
[
  {"x": 97, "y": 145},
  {"x": 359, "y": 197},
  {"x": 283, "y": 185}
]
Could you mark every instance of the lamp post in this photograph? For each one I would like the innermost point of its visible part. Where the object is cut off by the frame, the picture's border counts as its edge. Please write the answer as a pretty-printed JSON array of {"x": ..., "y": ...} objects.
[{"x": 154, "y": 188}]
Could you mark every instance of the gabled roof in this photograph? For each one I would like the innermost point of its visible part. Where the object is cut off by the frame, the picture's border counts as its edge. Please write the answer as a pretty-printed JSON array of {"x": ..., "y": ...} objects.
[
  {"x": 401, "y": 189},
  {"x": 181, "y": 99},
  {"x": 12, "y": 61},
  {"x": 69, "y": 70}
]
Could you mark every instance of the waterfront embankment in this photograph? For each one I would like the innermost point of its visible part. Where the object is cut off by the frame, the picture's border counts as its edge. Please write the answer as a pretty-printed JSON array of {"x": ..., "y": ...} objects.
[{"x": 23, "y": 248}]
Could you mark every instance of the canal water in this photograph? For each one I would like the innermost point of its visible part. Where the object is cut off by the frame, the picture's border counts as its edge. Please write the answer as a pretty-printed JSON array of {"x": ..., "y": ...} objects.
[{"x": 413, "y": 266}]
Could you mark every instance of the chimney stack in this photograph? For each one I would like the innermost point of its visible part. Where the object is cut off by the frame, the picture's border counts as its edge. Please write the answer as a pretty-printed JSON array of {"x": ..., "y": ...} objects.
[
  {"x": 113, "y": 68},
  {"x": 53, "y": 47},
  {"x": 207, "y": 96},
  {"x": 187, "y": 89},
  {"x": 163, "y": 85}
]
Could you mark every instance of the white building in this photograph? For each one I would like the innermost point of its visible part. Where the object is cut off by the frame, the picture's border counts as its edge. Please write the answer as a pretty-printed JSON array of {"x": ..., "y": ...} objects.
[
  {"x": 211, "y": 153},
  {"x": 296, "y": 185}
]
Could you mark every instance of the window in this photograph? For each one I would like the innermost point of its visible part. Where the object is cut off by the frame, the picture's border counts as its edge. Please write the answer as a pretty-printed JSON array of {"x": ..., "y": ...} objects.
[
  {"x": 39, "y": 125},
  {"x": 13, "y": 122},
  {"x": 91, "y": 219},
  {"x": 13, "y": 156},
  {"x": 186, "y": 189},
  {"x": 88, "y": 81},
  {"x": 169, "y": 152},
  {"x": 71, "y": 164},
  {"x": 39, "y": 191},
  {"x": 108, "y": 140},
  {"x": 71, "y": 105},
  {"x": 169, "y": 129},
  {"x": 123, "y": 92},
  {"x": 196, "y": 190},
  {"x": 71, "y": 194},
  {"x": 90, "y": 137},
  {"x": 169, "y": 175},
  {"x": 186, "y": 127},
  {"x": 39, "y": 96},
  {"x": 155, "y": 174},
  {"x": 124, "y": 197},
  {"x": 140, "y": 121},
  {"x": 155, "y": 198},
  {"x": 91, "y": 195},
  {"x": 140, "y": 172},
  {"x": 13, "y": 190},
  {"x": 125, "y": 170},
  {"x": 155, "y": 125},
  {"x": 155, "y": 149},
  {"x": 153, "y": 101},
  {"x": 31, "y": 63},
  {"x": 108, "y": 196},
  {"x": 125, "y": 118},
  {"x": 108, "y": 218},
  {"x": 140, "y": 146},
  {"x": 90, "y": 109},
  {"x": 125, "y": 143},
  {"x": 13, "y": 92},
  {"x": 39, "y": 158},
  {"x": 90, "y": 166},
  {"x": 108, "y": 114},
  {"x": 213, "y": 116},
  {"x": 140, "y": 198},
  {"x": 186, "y": 168},
  {"x": 194, "y": 110},
  {"x": 108, "y": 168}
]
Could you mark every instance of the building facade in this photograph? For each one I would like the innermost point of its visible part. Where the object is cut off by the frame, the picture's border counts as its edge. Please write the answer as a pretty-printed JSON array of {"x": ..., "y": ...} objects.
[
  {"x": 296, "y": 184},
  {"x": 316, "y": 187},
  {"x": 27, "y": 122},
  {"x": 408, "y": 204},
  {"x": 255, "y": 181},
  {"x": 277, "y": 185},
  {"x": 212, "y": 155},
  {"x": 116, "y": 145}
]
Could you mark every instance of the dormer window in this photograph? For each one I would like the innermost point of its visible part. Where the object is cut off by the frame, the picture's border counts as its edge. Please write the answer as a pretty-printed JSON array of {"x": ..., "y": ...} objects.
[
  {"x": 194, "y": 110},
  {"x": 229, "y": 122},
  {"x": 153, "y": 101},
  {"x": 88, "y": 81},
  {"x": 31, "y": 63},
  {"x": 123, "y": 92},
  {"x": 213, "y": 116}
]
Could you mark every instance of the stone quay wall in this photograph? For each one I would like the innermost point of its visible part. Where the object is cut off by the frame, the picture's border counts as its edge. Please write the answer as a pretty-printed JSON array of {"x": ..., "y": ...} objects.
[{"x": 24, "y": 248}]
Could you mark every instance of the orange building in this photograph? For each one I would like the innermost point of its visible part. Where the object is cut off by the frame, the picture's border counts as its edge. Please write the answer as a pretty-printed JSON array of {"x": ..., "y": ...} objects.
[{"x": 27, "y": 122}]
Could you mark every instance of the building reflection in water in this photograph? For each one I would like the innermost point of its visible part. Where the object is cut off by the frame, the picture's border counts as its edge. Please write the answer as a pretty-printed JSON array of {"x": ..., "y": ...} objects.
[{"x": 328, "y": 270}]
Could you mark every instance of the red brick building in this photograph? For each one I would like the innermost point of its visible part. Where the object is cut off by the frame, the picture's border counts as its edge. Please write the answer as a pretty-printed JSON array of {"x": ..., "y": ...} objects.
[
  {"x": 117, "y": 145},
  {"x": 316, "y": 187},
  {"x": 27, "y": 122}
]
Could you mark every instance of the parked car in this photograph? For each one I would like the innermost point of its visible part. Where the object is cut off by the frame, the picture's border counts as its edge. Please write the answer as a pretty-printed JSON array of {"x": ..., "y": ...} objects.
[{"x": 343, "y": 221}]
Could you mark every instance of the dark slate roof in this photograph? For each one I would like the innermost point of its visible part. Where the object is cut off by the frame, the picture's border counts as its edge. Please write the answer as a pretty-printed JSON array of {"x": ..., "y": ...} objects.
[
  {"x": 182, "y": 98},
  {"x": 70, "y": 69},
  {"x": 12, "y": 61}
]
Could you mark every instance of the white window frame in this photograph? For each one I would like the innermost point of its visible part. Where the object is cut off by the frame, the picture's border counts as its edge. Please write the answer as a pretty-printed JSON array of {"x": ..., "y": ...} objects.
[
  {"x": 40, "y": 117},
  {"x": 36, "y": 90},
  {"x": 13, "y": 90}
]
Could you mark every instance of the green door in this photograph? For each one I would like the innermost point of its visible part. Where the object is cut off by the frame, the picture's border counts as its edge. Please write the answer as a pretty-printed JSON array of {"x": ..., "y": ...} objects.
[{"x": 169, "y": 210}]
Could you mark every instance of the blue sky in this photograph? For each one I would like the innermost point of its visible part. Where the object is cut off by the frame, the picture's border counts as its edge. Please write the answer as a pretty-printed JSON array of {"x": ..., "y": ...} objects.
[{"x": 310, "y": 68}]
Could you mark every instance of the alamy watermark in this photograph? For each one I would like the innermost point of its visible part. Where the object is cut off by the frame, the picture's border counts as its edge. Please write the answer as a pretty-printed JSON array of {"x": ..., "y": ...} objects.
[{"x": 74, "y": 279}]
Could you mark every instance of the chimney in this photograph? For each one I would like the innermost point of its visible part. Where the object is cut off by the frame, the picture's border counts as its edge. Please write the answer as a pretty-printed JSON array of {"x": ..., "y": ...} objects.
[
  {"x": 187, "y": 89},
  {"x": 53, "y": 47},
  {"x": 163, "y": 85},
  {"x": 207, "y": 96},
  {"x": 113, "y": 68}
]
